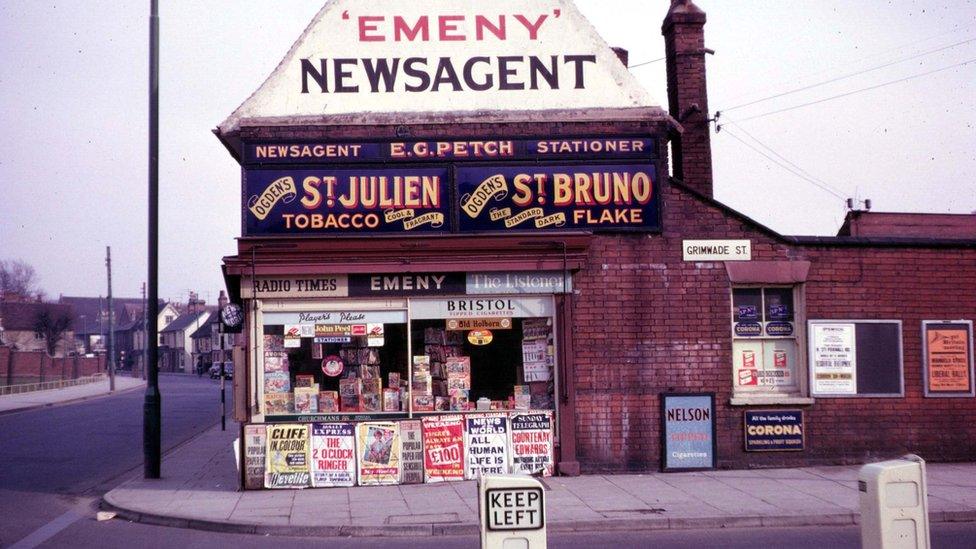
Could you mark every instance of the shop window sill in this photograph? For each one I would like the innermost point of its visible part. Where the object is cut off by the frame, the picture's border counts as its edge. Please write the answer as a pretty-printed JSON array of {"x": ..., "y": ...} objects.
[{"x": 768, "y": 400}]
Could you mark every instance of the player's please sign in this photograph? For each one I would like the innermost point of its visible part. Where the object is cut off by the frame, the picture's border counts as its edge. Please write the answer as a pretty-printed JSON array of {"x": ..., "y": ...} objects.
[{"x": 514, "y": 509}]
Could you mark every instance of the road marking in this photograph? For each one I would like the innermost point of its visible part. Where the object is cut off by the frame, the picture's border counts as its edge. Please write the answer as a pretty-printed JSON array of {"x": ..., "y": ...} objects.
[{"x": 47, "y": 531}]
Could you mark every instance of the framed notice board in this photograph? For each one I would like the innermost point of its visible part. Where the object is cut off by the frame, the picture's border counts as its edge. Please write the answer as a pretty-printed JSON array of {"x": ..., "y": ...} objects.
[
  {"x": 855, "y": 358},
  {"x": 687, "y": 431},
  {"x": 947, "y": 358}
]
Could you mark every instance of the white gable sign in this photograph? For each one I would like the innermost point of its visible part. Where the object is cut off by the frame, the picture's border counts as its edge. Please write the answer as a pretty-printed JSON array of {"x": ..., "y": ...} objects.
[{"x": 387, "y": 56}]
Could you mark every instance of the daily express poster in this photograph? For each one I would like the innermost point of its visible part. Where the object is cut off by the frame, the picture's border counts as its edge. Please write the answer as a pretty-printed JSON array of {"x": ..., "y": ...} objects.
[
  {"x": 532, "y": 443},
  {"x": 287, "y": 456},
  {"x": 443, "y": 448},
  {"x": 486, "y": 445},
  {"x": 333, "y": 454},
  {"x": 378, "y": 450}
]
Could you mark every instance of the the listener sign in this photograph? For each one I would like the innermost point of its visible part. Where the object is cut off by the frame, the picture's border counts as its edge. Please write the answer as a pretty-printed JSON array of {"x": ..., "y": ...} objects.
[{"x": 688, "y": 430}]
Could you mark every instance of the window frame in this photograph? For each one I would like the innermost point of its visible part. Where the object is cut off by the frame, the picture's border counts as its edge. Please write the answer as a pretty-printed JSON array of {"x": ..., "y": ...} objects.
[
  {"x": 404, "y": 304},
  {"x": 799, "y": 395},
  {"x": 856, "y": 321}
]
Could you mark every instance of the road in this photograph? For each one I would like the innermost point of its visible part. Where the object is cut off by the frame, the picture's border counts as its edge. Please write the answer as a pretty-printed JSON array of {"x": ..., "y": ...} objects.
[
  {"x": 122, "y": 535},
  {"x": 57, "y": 462}
]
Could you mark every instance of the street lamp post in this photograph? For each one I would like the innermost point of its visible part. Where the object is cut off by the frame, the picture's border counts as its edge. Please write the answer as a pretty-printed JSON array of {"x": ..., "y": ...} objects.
[{"x": 152, "y": 405}]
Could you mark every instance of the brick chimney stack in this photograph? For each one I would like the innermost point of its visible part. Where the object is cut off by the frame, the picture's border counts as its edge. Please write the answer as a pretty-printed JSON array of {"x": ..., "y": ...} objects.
[{"x": 684, "y": 42}]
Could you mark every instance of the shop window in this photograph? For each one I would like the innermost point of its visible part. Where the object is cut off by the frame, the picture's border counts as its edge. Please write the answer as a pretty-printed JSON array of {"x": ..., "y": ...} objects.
[
  {"x": 765, "y": 347},
  {"x": 335, "y": 362},
  {"x": 451, "y": 355}
]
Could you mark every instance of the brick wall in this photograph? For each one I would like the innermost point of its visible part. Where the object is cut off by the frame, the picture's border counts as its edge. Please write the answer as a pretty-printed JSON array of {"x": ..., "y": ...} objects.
[
  {"x": 35, "y": 366},
  {"x": 647, "y": 322}
]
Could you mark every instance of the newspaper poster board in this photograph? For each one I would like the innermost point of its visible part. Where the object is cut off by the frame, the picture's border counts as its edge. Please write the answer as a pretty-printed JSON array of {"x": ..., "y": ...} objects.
[
  {"x": 287, "y": 456},
  {"x": 532, "y": 443},
  {"x": 378, "y": 449},
  {"x": 486, "y": 445},
  {"x": 255, "y": 450},
  {"x": 333, "y": 454},
  {"x": 412, "y": 444},
  {"x": 948, "y": 358},
  {"x": 443, "y": 448},
  {"x": 834, "y": 359}
]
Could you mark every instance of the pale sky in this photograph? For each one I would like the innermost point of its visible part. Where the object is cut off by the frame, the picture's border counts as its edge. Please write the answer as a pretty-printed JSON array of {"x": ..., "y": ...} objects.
[{"x": 74, "y": 109}]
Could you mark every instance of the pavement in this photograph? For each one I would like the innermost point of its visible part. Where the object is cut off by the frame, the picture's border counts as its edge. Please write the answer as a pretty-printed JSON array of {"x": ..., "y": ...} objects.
[
  {"x": 39, "y": 399},
  {"x": 199, "y": 490}
]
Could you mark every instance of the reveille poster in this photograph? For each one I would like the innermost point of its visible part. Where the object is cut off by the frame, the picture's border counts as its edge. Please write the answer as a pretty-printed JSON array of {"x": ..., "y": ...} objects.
[{"x": 287, "y": 456}]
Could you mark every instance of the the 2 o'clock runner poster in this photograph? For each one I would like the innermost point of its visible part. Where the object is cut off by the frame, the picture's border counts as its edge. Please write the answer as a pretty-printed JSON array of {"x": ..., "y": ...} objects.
[
  {"x": 287, "y": 456},
  {"x": 378, "y": 449},
  {"x": 532, "y": 443},
  {"x": 486, "y": 442},
  {"x": 443, "y": 448},
  {"x": 333, "y": 454}
]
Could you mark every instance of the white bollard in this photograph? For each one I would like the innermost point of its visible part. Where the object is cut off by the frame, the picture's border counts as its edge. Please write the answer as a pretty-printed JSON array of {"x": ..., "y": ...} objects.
[
  {"x": 513, "y": 512},
  {"x": 894, "y": 504}
]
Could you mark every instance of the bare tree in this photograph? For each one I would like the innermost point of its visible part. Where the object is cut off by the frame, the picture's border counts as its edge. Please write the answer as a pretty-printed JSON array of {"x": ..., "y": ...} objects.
[
  {"x": 52, "y": 325},
  {"x": 18, "y": 277}
]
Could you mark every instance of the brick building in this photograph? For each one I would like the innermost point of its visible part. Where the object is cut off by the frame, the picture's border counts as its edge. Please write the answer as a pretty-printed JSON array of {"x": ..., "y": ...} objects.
[{"x": 517, "y": 205}]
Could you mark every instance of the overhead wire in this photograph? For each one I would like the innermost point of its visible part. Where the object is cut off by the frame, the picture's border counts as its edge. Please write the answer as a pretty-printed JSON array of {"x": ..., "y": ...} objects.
[
  {"x": 854, "y": 62},
  {"x": 641, "y": 64},
  {"x": 861, "y": 90},
  {"x": 781, "y": 157},
  {"x": 786, "y": 167},
  {"x": 849, "y": 75}
]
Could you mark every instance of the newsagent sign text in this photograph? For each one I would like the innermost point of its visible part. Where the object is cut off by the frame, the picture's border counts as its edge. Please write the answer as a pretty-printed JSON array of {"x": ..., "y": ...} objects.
[{"x": 507, "y": 55}]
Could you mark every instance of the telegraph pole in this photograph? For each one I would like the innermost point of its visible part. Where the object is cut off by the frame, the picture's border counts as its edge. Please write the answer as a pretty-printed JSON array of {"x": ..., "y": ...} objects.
[
  {"x": 111, "y": 322},
  {"x": 152, "y": 406}
]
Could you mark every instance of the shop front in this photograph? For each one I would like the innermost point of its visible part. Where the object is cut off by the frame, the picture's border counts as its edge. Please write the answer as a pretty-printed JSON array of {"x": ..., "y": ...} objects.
[{"x": 441, "y": 282}]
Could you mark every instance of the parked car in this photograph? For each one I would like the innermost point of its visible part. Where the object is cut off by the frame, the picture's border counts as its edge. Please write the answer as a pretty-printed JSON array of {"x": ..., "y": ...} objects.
[{"x": 214, "y": 371}]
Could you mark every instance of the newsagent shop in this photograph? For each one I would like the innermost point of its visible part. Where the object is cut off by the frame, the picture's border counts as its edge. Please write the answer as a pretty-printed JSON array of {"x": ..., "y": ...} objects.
[{"x": 471, "y": 243}]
